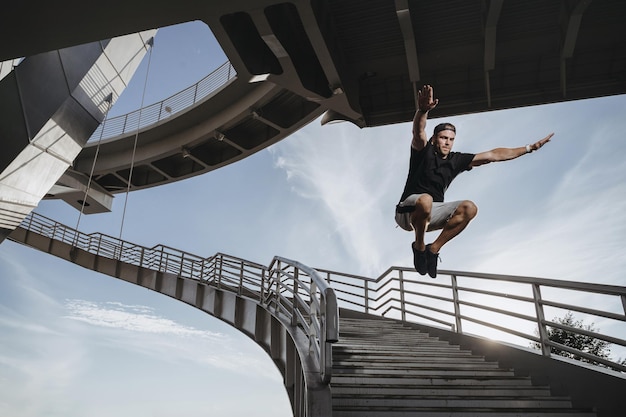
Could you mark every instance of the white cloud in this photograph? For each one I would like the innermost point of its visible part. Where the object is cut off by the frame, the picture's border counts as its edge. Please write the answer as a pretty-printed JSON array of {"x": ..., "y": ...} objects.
[
  {"x": 341, "y": 170},
  {"x": 140, "y": 329},
  {"x": 129, "y": 317}
]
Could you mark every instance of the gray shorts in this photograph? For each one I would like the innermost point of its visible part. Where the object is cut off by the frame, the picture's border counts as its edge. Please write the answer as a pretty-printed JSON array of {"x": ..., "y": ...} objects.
[{"x": 439, "y": 216}]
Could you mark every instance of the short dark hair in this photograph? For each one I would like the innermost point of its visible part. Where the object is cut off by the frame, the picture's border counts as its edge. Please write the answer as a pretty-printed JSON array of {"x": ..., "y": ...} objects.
[{"x": 444, "y": 126}]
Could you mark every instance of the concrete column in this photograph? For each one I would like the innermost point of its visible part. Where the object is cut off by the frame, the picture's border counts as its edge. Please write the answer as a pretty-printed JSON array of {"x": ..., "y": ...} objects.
[{"x": 51, "y": 104}]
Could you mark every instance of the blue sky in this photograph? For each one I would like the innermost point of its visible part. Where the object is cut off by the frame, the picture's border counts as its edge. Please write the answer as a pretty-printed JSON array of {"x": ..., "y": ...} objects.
[{"x": 76, "y": 343}]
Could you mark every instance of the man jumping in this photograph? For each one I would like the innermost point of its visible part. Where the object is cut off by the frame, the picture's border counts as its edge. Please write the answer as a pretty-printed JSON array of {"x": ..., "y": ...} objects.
[{"x": 432, "y": 168}]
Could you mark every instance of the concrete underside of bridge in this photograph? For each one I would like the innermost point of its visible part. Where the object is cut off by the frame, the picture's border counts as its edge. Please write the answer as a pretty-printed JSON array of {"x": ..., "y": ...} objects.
[
  {"x": 481, "y": 55},
  {"x": 347, "y": 60}
]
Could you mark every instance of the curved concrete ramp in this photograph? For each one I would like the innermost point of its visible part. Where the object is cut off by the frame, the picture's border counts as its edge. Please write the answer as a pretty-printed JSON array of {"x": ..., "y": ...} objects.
[
  {"x": 234, "y": 122},
  {"x": 243, "y": 294}
]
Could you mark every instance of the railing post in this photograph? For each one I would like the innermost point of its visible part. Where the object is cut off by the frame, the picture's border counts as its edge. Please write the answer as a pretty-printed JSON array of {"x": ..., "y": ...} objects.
[
  {"x": 141, "y": 257},
  {"x": 457, "y": 305},
  {"x": 315, "y": 315},
  {"x": 182, "y": 261},
  {"x": 99, "y": 245},
  {"x": 402, "y": 303},
  {"x": 543, "y": 331},
  {"x": 220, "y": 271},
  {"x": 262, "y": 292},
  {"x": 241, "y": 268},
  {"x": 161, "y": 261},
  {"x": 277, "y": 295},
  {"x": 120, "y": 249},
  {"x": 30, "y": 221},
  {"x": 294, "y": 303},
  {"x": 366, "y": 295}
]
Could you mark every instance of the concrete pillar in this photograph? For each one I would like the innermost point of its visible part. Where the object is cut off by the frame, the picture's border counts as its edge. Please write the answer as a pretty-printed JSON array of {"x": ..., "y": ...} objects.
[{"x": 51, "y": 103}]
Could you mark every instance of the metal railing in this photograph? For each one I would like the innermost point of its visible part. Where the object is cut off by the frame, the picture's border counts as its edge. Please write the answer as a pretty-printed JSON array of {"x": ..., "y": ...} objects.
[
  {"x": 154, "y": 113},
  {"x": 300, "y": 293},
  {"x": 293, "y": 291},
  {"x": 510, "y": 308}
]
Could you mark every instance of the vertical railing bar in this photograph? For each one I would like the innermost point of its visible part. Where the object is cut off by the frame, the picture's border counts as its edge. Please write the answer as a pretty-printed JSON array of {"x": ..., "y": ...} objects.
[
  {"x": 161, "y": 261},
  {"x": 202, "y": 264},
  {"x": 99, "y": 245},
  {"x": 141, "y": 256},
  {"x": 277, "y": 293},
  {"x": 543, "y": 331},
  {"x": 220, "y": 271},
  {"x": 402, "y": 303},
  {"x": 262, "y": 292},
  {"x": 241, "y": 269},
  {"x": 457, "y": 305},
  {"x": 182, "y": 261},
  {"x": 295, "y": 296}
]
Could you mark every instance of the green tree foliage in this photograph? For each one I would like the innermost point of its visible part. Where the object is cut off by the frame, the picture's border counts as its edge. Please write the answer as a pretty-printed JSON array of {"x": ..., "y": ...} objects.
[{"x": 576, "y": 340}]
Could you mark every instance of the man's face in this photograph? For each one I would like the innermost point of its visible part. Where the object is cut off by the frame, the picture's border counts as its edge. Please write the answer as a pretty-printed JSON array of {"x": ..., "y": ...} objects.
[{"x": 443, "y": 142}]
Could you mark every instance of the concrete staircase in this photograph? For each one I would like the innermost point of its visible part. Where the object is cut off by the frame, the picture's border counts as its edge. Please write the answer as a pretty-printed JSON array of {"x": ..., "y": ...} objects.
[{"x": 384, "y": 368}]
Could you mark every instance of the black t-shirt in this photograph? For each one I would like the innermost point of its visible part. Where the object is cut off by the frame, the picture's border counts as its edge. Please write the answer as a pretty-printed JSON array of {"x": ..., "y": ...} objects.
[{"x": 431, "y": 174}]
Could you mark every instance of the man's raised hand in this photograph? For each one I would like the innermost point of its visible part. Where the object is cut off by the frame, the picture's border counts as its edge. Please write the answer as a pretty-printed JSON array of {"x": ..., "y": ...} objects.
[{"x": 425, "y": 101}]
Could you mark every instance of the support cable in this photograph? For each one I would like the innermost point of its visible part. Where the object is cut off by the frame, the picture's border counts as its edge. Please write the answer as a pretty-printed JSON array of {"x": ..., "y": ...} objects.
[
  {"x": 150, "y": 44},
  {"x": 109, "y": 101}
]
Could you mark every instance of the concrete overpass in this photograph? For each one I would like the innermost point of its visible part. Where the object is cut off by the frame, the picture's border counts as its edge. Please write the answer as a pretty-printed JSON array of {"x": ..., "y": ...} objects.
[{"x": 352, "y": 60}]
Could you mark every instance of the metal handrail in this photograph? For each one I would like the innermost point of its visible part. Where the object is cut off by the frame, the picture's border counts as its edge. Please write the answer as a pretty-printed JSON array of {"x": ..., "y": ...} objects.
[
  {"x": 464, "y": 302},
  {"x": 156, "y": 112},
  {"x": 511, "y": 308},
  {"x": 310, "y": 291},
  {"x": 294, "y": 291}
]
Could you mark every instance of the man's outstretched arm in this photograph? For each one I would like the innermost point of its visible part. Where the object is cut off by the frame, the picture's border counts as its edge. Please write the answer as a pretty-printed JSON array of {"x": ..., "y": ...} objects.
[
  {"x": 506, "y": 154},
  {"x": 425, "y": 103}
]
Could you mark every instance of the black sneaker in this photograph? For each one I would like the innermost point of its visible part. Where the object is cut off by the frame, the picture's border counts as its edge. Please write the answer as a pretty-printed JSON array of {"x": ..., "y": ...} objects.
[
  {"x": 431, "y": 261},
  {"x": 419, "y": 260}
]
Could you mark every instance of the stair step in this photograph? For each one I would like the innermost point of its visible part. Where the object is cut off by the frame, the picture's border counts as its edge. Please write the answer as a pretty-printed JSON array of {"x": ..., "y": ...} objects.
[
  {"x": 386, "y": 369},
  {"x": 425, "y": 372},
  {"x": 404, "y": 380},
  {"x": 412, "y": 347},
  {"x": 415, "y": 403},
  {"x": 408, "y": 357},
  {"x": 462, "y": 412},
  {"x": 417, "y": 365},
  {"x": 439, "y": 391},
  {"x": 399, "y": 345}
]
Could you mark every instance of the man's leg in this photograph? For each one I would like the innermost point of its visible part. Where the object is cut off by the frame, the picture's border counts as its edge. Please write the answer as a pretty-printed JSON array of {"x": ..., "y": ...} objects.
[
  {"x": 420, "y": 218},
  {"x": 461, "y": 217},
  {"x": 463, "y": 214}
]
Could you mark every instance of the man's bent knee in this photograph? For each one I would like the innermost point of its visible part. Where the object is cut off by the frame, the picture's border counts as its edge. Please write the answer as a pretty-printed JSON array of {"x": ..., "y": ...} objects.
[
  {"x": 424, "y": 204},
  {"x": 468, "y": 209}
]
